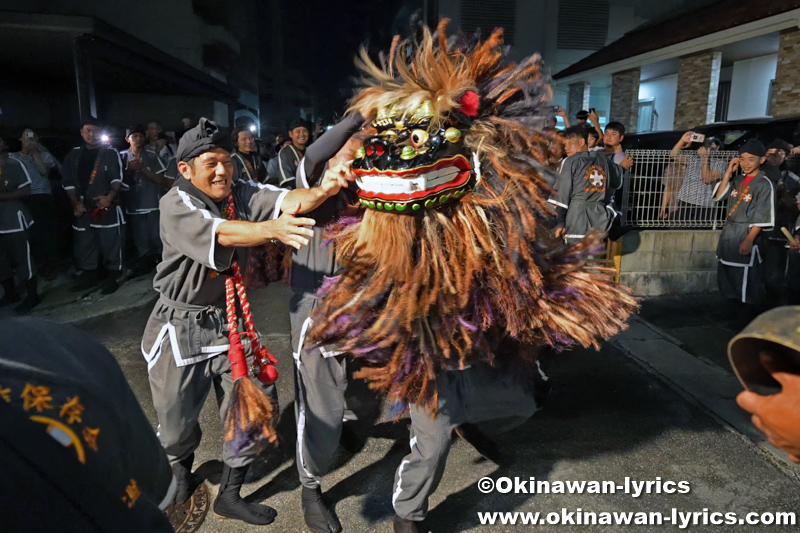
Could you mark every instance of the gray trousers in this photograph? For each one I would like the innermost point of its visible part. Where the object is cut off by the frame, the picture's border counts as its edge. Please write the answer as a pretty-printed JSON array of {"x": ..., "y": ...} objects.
[
  {"x": 320, "y": 385},
  {"x": 145, "y": 233},
  {"x": 480, "y": 395},
  {"x": 15, "y": 256},
  {"x": 93, "y": 245},
  {"x": 179, "y": 393}
]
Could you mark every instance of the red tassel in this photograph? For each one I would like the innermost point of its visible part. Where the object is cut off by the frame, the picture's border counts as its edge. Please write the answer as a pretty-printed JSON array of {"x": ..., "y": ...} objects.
[{"x": 236, "y": 356}]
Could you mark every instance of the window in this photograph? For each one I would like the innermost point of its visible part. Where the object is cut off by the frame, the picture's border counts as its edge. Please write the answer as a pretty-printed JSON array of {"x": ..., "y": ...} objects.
[
  {"x": 582, "y": 24},
  {"x": 723, "y": 101},
  {"x": 648, "y": 117},
  {"x": 486, "y": 16}
]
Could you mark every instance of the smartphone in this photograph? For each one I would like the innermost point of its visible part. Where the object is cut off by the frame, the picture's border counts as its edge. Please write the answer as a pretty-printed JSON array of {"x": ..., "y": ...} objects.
[
  {"x": 29, "y": 135},
  {"x": 697, "y": 137},
  {"x": 556, "y": 108}
]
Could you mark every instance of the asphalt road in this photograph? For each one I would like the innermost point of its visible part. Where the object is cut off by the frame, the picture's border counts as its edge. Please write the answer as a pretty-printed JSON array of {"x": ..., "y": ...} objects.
[{"x": 606, "y": 419}]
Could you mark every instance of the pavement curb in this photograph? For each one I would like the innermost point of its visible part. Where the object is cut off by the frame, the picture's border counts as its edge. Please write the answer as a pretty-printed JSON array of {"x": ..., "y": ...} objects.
[
  {"x": 132, "y": 294},
  {"x": 701, "y": 383}
]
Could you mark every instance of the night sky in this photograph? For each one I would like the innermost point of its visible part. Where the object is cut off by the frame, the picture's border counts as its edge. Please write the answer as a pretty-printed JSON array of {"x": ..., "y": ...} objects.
[{"x": 321, "y": 39}]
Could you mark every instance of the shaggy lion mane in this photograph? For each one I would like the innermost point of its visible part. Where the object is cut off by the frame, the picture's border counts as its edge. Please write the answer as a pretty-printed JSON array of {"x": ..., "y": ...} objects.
[{"x": 420, "y": 294}]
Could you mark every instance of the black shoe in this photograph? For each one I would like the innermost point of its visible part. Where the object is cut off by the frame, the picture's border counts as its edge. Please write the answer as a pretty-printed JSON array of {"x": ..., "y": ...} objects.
[
  {"x": 318, "y": 515},
  {"x": 401, "y": 525},
  {"x": 186, "y": 482},
  {"x": 31, "y": 298},
  {"x": 349, "y": 441},
  {"x": 48, "y": 273},
  {"x": 229, "y": 504},
  {"x": 110, "y": 287},
  {"x": 86, "y": 280},
  {"x": 484, "y": 445},
  {"x": 10, "y": 294}
]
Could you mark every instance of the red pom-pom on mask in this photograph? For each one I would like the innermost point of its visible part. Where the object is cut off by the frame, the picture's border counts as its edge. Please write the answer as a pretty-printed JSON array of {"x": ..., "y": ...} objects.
[{"x": 469, "y": 104}]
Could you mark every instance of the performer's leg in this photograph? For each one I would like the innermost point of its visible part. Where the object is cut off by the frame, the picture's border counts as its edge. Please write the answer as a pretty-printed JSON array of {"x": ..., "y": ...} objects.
[
  {"x": 421, "y": 470},
  {"x": 229, "y": 503},
  {"x": 319, "y": 397},
  {"x": 139, "y": 233},
  {"x": 112, "y": 242},
  {"x": 23, "y": 265},
  {"x": 775, "y": 272},
  {"x": 85, "y": 245},
  {"x": 10, "y": 294},
  {"x": 178, "y": 397}
]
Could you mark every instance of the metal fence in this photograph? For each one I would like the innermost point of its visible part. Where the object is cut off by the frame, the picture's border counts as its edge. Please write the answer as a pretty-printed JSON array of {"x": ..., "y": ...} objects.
[{"x": 667, "y": 192}]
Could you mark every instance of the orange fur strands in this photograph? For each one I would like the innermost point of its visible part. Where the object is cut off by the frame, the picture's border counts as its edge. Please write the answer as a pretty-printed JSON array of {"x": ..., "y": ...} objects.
[
  {"x": 441, "y": 288},
  {"x": 249, "y": 417}
]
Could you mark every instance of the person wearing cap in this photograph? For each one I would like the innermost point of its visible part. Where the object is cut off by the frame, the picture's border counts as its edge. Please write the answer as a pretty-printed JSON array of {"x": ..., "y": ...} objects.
[
  {"x": 247, "y": 163},
  {"x": 185, "y": 342},
  {"x": 584, "y": 188},
  {"x": 92, "y": 178},
  {"x": 15, "y": 221},
  {"x": 289, "y": 157},
  {"x": 74, "y": 438},
  {"x": 750, "y": 211},
  {"x": 143, "y": 173},
  {"x": 787, "y": 186}
]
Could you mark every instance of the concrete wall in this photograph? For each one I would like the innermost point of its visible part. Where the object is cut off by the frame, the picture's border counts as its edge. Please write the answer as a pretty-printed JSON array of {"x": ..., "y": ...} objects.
[
  {"x": 664, "y": 90},
  {"x": 750, "y": 86},
  {"x": 656, "y": 263}
]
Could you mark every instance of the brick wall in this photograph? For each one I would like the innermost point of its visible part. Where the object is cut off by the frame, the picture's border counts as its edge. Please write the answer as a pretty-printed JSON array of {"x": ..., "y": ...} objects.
[
  {"x": 578, "y": 99},
  {"x": 625, "y": 98},
  {"x": 698, "y": 83},
  {"x": 786, "y": 89}
]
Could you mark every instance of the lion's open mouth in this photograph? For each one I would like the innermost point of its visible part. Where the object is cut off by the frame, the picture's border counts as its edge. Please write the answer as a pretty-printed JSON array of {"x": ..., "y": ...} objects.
[{"x": 415, "y": 183}]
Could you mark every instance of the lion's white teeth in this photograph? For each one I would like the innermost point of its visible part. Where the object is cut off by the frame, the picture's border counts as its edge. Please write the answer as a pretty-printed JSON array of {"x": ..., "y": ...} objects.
[{"x": 408, "y": 184}]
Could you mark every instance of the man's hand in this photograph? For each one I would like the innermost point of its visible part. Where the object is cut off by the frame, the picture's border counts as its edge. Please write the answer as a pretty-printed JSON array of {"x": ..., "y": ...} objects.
[
  {"x": 78, "y": 209},
  {"x": 104, "y": 201},
  {"x": 336, "y": 179},
  {"x": 627, "y": 163},
  {"x": 289, "y": 229},
  {"x": 560, "y": 231},
  {"x": 733, "y": 166},
  {"x": 777, "y": 416},
  {"x": 703, "y": 151},
  {"x": 746, "y": 247},
  {"x": 561, "y": 112},
  {"x": 593, "y": 118},
  {"x": 795, "y": 245},
  {"x": 686, "y": 138}
]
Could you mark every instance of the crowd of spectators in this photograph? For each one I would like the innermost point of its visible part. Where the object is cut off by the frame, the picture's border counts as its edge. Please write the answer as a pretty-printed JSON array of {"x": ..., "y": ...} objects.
[{"x": 94, "y": 218}]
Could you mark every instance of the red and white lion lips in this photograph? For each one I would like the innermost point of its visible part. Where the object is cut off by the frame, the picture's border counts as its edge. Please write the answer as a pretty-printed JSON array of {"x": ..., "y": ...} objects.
[{"x": 412, "y": 189}]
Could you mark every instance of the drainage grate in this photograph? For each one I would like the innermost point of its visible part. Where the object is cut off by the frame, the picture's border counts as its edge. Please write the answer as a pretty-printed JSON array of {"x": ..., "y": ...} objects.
[{"x": 189, "y": 516}]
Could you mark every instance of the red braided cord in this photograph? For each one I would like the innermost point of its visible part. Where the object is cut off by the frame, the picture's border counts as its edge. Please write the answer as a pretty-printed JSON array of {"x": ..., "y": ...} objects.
[{"x": 234, "y": 285}]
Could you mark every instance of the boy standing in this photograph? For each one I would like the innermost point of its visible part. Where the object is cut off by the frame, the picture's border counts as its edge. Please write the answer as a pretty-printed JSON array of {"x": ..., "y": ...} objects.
[
  {"x": 750, "y": 210},
  {"x": 584, "y": 187}
]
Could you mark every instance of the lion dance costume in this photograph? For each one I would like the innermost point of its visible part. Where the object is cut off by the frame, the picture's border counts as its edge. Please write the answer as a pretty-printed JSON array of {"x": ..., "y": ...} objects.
[
  {"x": 451, "y": 280},
  {"x": 452, "y": 250}
]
